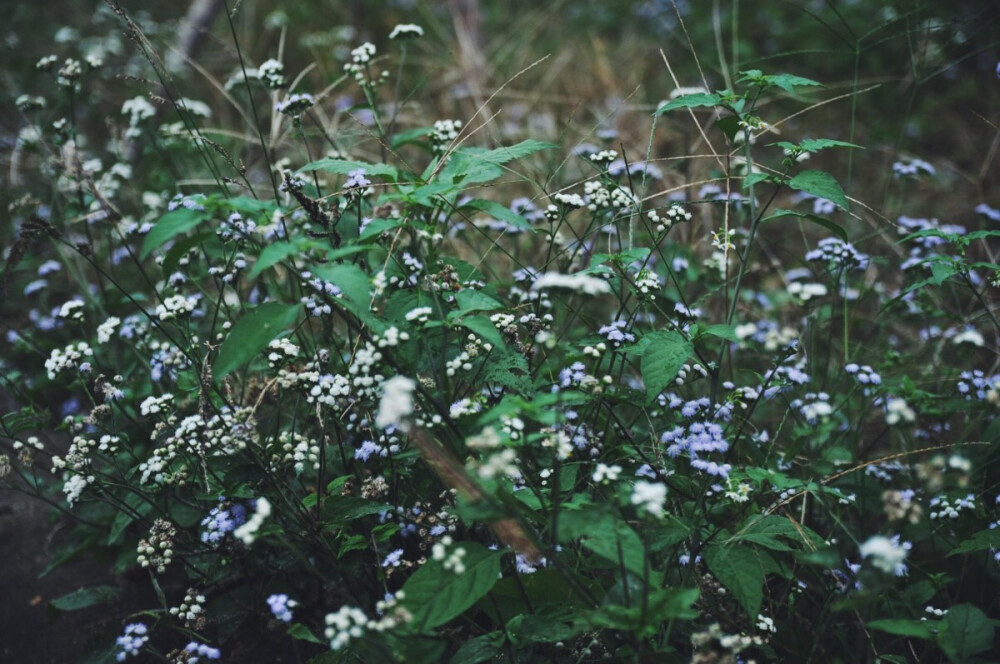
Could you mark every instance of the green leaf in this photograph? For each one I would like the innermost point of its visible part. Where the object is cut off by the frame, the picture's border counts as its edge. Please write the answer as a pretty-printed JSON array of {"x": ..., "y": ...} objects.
[
  {"x": 303, "y": 633},
  {"x": 376, "y": 227},
  {"x": 754, "y": 179},
  {"x": 171, "y": 224},
  {"x": 350, "y": 279},
  {"x": 536, "y": 628},
  {"x": 695, "y": 100},
  {"x": 410, "y": 136},
  {"x": 469, "y": 300},
  {"x": 816, "y": 144},
  {"x": 741, "y": 571},
  {"x": 23, "y": 420},
  {"x": 339, "y": 509},
  {"x": 84, "y": 597},
  {"x": 836, "y": 229},
  {"x": 271, "y": 255},
  {"x": 965, "y": 631},
  {"x": 981, "y": 541},
  {"x": 663, "y": 357},
  {"x": 483, "y": 327},
  {"x": 182, "y": 247},
  {"x": 251, "y": 334},
  {"x": 821, "y": 184},
  {"x": 523, "y": 149},
  {"x": 435, "y": 595},
  {"x": 345, "y": 166},
  {"x": 507, "y": 369},
  {"x": 479, "y": 649},
  {"x": 605, "y": 534},
  {"x": 918, "y": 629},
  {"x": 721, "y": 330}
]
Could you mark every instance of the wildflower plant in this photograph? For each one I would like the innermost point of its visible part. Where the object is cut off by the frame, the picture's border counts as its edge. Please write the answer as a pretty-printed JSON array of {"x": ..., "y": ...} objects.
[{"x": 459, "y": 412}]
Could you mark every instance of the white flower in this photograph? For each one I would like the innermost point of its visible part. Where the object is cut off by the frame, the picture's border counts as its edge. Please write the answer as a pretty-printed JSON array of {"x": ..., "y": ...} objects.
[
  {"x": 406, "y": 31},
  {"x": 397, "y": 401},
  {"x": 578, "y": 282},
  {"x": 650, "y": 496},
  {"x": 248, "y": 531},
  {"x": 887, "y": 554}
]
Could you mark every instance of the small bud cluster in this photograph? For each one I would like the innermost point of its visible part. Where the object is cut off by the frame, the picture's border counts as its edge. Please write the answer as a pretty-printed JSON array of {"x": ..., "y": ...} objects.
[
  {"x": 449, "y": 560},
  {"x": 157, "y": 552}
]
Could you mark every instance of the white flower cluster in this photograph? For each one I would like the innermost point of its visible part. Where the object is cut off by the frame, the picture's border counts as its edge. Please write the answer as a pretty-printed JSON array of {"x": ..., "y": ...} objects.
[
  {"x": 396, "y": 403},
  {"x": 445, "y": 131},
  {"x": 419, "y": 314},
  {"x": 805, "y": 292},
  {"x": 600, "y": 197},
  {"x": 365, "y": 377},
  {"x": 67, "y": 358},
  {"x": 604, "y": 157},
  {"x": 296, "y": 449},
  {"x": 223, "y": 434},
  {"x": 107, "y": 328},
  {"x": 153, "y": 404},
  {"x": 391, "y": 337},
  {"x": 647, "y": 283},
  {"x": 296, "y": 104},
  {"x": 650, "y": 496},
  {"x": 71, "y": 310},
  {"x": 581, "y": 282},
  {"x": 887, "y": 554},
  {"x": 463, "y": 361},
  {"x": 406, "y": 31},
  {"x": 247, "y": 533},
  {"x": 897, "y": 410},
  {"x": 675, "y": 214},
  {"x": 327, "y": 389},
  {"x": 157, "y": 552},
  {"x": 191, "y": 608},
  {"x": 393, "y": 614},
  {"x": 604, "y": 473},
  {"x": 281, "y": 351},
  {"x": 449, "y": 561},
  {"x": 346, "y": 624},
  {"x": 943, "y": 508},
  {"x": 176, "y": 306},
  {"x": 272, "y": 73},
  {"x": 573, "y": 201},
  {"x": 500, "y": 464}
]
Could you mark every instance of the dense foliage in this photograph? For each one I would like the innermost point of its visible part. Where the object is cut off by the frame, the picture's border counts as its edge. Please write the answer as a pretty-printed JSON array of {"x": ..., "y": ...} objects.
[{"x": 392, "y": 387}]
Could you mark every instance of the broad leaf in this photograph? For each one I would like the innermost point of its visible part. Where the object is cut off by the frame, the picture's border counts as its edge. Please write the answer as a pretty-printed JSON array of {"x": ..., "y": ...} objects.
[
  {"x": 435, "y": 595},
  {"x": 821, "y": 184},
  {"x": 981, "y": 541},
  {"x": 605, "y": 534},
  {"x": 741, "y": 571},
  {"x": 84, "y": 597},
  {"x": 350, "y": 279},
  {"x": 918, "y": 629},
  {"x": 965, "y": 631},
  {"x": 271, "y": 255},
  {"x": 170, "y": 225},
  {"x": 498, "y": 211},
  {"x": 665, "y": 353},
  {"x": 251, "y": 334},
  {"x": 836, "y": 229},
  {"x": 345, "y": 166}
]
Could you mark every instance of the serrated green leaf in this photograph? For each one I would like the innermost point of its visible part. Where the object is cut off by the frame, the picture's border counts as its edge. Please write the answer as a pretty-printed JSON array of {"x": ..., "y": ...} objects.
[
  {"x": 171, "y": 224},
  {"x": 182, "y": 247},
  {"x": 503, "y": 155},
  {"x": 665, "y": 353},
  {"x": 965, "y": 631},
  {"x": 981, "y": 541},
  {"x": 835, "y": 228},
  {"x": 821, "y": 184},
  {"x": 411, "y": 136},
  {"x": 435, "y": 595},
  {"x": 695, "y": 100},
  {"x": 23, "y": 420},
  {"x": 84, "y": 597},
  {"x": 721, "y": 330},
  {"x": 755, "y": 179},
  {"x": 251, "y": 334},
  {"x": 376, "y": 227},
  {"x": 740, "y": 570}
]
